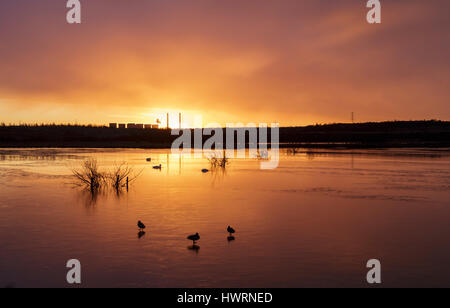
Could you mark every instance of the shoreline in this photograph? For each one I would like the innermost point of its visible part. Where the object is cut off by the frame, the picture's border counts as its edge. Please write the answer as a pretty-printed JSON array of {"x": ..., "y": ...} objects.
[
  {"x": 406, "y": 134},
  {"x": 162, "y": 146}
]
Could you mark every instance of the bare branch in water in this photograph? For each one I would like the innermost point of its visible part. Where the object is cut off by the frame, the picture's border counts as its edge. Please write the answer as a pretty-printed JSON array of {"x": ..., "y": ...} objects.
[
  {"x": 91, "y": 177},
  {"x": 262, "y": 155},
  {"x": 89, "y": 174},
  {"x": 218, "y": 162},
  {"x": 293, "y": 151},
  {"x": 121, "y": 172}
]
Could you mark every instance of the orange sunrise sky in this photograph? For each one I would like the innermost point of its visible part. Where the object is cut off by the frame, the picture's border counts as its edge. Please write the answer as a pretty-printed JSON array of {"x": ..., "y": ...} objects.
[{"x": 293, "y": 62}]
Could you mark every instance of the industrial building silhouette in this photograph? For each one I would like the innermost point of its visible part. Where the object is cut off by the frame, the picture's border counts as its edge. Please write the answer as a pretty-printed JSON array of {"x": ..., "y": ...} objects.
[{"x": 144, "y": 126}]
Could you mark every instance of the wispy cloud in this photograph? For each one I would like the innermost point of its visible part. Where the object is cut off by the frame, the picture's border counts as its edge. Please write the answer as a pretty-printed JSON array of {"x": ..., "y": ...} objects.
[{"x": 251, "y": 61}]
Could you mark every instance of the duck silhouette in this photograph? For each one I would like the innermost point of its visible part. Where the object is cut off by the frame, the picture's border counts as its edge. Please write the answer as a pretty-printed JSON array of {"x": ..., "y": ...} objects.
[
  {"x": 149, "y": 159},
  {"x": 140, "y": 225},
  {"x": 158, "y": 167},
  {"x": 231, "y": 231},
  {"x": 205, "y": 170},
  {"x": 194, "y": 238}
]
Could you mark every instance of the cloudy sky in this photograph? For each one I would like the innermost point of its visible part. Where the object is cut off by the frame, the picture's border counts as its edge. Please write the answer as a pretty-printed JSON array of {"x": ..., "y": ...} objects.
[{"x": 287, "y": 61}]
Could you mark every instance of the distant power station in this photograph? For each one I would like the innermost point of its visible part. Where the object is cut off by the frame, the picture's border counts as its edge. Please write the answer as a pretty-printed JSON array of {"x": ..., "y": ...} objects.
[
  {"x": 133, "y": 125},
  {"x": 145, "y": 126}
]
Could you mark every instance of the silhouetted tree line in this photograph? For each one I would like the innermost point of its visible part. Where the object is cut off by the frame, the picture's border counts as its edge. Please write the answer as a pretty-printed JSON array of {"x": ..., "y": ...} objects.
[
  {"x": 406, "y": 133},
  {"x": 399, "y": 132}
]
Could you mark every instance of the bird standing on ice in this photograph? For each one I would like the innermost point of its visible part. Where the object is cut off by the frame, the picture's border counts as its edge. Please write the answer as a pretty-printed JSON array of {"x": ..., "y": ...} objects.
[
  {"x": 194, "y": 238},
  {"x": 230, "y": 230},
  {"x": 140, "y": 225}
]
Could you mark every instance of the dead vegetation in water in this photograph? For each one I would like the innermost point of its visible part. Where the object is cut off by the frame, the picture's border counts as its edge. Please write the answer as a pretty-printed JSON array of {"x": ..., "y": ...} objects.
[
  {"x": 122, "y": 175},
  {"x": 218, "y": 162},
  {"x": 90, "y": 176},
  {"x": 293, "y": 151},
  {"x": 262, "y": 155}
]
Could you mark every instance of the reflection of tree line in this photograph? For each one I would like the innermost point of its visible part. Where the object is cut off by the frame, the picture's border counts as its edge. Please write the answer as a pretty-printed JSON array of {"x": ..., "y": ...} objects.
[
  {"x": 9, "y": 157},
  {"x": 311, "y": 154}
]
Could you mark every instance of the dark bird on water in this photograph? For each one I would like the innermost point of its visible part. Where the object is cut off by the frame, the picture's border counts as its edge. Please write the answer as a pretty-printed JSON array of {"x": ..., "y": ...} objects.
[
  {"x": 194, "y": 238},
  {"x": 230, "y": 230},
  {"x": 157, "y": 167},
  {"x": 140, "y": 225}
]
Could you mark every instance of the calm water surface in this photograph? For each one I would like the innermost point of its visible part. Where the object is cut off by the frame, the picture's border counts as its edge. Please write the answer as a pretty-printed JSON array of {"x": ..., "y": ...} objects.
[{"x": 314, "y": 221}]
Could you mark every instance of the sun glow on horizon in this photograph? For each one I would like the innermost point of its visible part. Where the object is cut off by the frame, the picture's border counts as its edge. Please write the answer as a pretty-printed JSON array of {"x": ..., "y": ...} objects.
[{"x": 188, "y": 119}]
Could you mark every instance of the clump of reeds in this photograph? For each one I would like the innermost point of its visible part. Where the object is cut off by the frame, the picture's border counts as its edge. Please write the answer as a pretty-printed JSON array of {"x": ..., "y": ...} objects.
[
  {"x": 122, "y": 175},
  {"x": 262, "y": 154},
  {"x": 218, "y": 162},
  {"x": 293, "y": 151},
  {"x": 89, "y": 175}
]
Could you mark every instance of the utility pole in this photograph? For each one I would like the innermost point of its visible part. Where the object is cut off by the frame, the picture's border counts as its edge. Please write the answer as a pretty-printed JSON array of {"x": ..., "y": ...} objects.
[
  {"x": 167, "y": 120},
  {"x": 180, "y": 120},
  {"x": 353, "y": 117}
]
